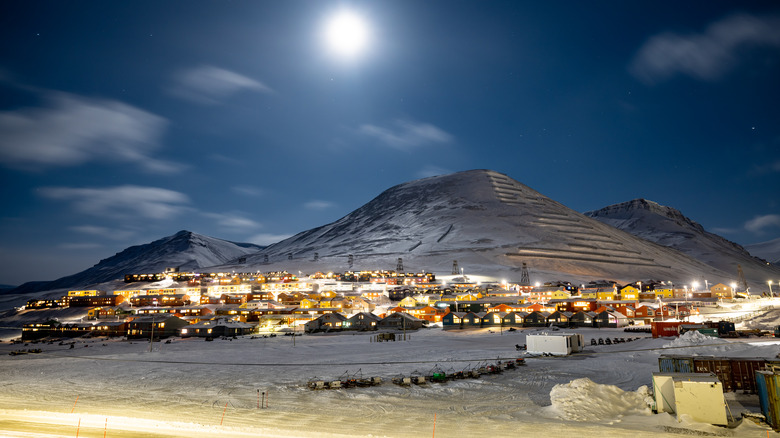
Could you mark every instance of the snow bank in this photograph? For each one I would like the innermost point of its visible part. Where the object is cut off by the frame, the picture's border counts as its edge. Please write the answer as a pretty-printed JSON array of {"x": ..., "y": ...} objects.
[
  {"x": 584, "y": 400},
  {"x": 693, "y": 338}
]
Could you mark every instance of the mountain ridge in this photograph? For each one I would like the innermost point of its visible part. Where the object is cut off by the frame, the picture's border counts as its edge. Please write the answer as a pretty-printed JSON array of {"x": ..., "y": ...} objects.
[
  {"x": 185, "y": 250},
  {"x": 669, "y": 227},
  {"x": 489, "y": 223}
]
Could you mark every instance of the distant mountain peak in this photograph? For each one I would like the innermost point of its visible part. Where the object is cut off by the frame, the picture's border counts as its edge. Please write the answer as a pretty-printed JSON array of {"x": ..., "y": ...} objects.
[
  {"x": 185, "y": 250},
  {"x": 630, "y": 209},
  {"x": 667, "y": 226}
]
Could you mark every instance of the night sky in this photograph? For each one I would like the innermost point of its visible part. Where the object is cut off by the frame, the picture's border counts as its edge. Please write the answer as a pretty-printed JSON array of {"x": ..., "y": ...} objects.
[{"x": 123, "y": 122}]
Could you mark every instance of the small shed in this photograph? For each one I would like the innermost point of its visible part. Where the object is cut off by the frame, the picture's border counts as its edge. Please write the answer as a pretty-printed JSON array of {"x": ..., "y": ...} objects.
[
  {"x": 697, "y": 395},
  {"x": 561, "y": 344}
]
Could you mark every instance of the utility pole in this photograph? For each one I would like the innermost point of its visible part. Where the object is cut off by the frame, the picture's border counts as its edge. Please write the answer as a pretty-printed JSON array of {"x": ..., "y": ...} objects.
[{"x": 151, "y": 338}]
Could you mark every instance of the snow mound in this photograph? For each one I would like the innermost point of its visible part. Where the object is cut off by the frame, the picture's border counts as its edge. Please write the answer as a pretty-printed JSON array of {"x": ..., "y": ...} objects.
[
  {"x": 692, "y": 338},
  {"x": 585, "y": 400}
]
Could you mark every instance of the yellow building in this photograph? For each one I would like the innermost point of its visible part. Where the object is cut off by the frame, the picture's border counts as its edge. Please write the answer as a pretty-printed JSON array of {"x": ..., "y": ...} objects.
[
  {"x": 307, "y": 303},
  {"x": 629, "y": 293},
  {"x": 545, "y": 294},
  {"x": 294, "y": 286},
  {"x": 129, "y": 293},
  {"x": 86, "y": 293},
  {"x": 408, "y": 302},
  {"x": 606, "y": 294},
  {"x": 664, "y": 292},
  {"x": 219, "y": 289}
]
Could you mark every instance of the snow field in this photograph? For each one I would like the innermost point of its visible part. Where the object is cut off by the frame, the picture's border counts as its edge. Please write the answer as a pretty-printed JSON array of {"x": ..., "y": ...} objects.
[{"x": 182, "y": 388}]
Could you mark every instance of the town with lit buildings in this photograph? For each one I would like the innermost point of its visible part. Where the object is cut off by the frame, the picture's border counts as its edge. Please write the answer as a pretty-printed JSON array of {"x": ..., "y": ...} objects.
[{"x": 231, "y": 304}]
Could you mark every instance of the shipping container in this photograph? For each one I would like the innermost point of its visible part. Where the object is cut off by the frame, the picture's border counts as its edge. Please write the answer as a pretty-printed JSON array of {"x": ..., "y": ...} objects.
[
  {"x": 735, "y": 373},
  {"x": 743, "y": 372},
  {"x": 676, "y": 364},
  {"x": 665, "y": 328},
  {"x": 720, "y": 366},
  {"x": 768, "y": 387}
]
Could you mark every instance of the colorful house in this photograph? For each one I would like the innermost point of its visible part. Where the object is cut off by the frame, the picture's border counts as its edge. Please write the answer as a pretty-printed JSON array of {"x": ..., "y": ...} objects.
[
  {"x": 720, "y": 290},
  {"x": 629, "y": 293}
]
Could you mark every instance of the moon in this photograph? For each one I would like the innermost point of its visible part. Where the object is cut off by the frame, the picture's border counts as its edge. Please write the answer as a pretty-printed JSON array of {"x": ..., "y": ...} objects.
[{"x": 347, "y": 34}]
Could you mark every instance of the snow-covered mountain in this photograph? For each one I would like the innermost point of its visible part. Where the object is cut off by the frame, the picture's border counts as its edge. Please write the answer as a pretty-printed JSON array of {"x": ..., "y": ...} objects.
[
  {"x": 186, "y": 250},
  {"x": 769, "y": 250},
  {"x": 490, "y": 224},
  {"x": 669, "y": 227}
]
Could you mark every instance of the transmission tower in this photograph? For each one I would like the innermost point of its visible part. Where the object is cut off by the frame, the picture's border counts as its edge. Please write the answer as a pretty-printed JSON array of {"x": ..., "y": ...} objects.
[
  {"x": 350, "y": 261},
  {"x": 742, "y": 280},
  {"x": 455, "y": 270},
  {"x": 525, "y": 279},
  {"x": 399, "y": 267}
]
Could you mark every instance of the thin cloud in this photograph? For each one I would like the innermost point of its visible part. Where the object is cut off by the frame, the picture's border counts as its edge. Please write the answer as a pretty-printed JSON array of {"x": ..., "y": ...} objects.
[
  {"x": 210, "y": 85},
  {"x": 234, "y": 222},
  {"x": 767, "y": 168},
  {"x": 431, "y": 170},
  {"x": 122, "y": 202},
  {"x": 266, "y": 239},
  {"x": 105, "y": 232},
  {"x": 248, "y": 190},
  {"x": 707, "y": 55},
  {"x": 406, "y": 134},
  {"x": 80, "y": 246},
  {"x": 759, "y": 223},
  {"x": 318, "y": 205},
  {"x": 73, "y": 130}
]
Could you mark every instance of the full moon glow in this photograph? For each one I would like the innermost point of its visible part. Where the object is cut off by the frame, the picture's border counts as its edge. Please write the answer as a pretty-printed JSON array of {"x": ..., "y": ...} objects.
[{"x": 347, "y": 34}]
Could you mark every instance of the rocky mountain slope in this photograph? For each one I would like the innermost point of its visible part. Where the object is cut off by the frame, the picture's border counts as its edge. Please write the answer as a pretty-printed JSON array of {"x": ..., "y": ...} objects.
[
  {"x": 186, "y": 250},
  {"x": 669, "y": 227},
  {"x": 490, "y": 224}
]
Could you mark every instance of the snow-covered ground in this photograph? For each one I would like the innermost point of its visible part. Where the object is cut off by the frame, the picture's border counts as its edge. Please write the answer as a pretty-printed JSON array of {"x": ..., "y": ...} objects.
[{"x": 184, "y": 388}]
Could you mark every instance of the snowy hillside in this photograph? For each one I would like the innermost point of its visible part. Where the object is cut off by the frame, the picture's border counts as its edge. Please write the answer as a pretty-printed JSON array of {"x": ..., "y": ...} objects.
[
  {"x": 185, "y": 250},
  {"x": 669, "y": 227},
  {"x": 769, "y": 251},
  {"x": 490, "y": 224}
]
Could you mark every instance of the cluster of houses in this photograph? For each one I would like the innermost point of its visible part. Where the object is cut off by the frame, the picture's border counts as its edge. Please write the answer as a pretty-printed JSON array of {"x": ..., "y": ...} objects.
[{"x": 239, "y": 304}]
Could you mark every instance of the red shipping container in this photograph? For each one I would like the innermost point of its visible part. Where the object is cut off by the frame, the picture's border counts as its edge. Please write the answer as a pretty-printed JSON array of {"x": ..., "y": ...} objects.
[{"x": 665, "y": 328}]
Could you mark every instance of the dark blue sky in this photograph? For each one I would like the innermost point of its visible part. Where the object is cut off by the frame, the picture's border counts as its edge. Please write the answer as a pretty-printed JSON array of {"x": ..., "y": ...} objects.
[{"x": 122, "y": 122}]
